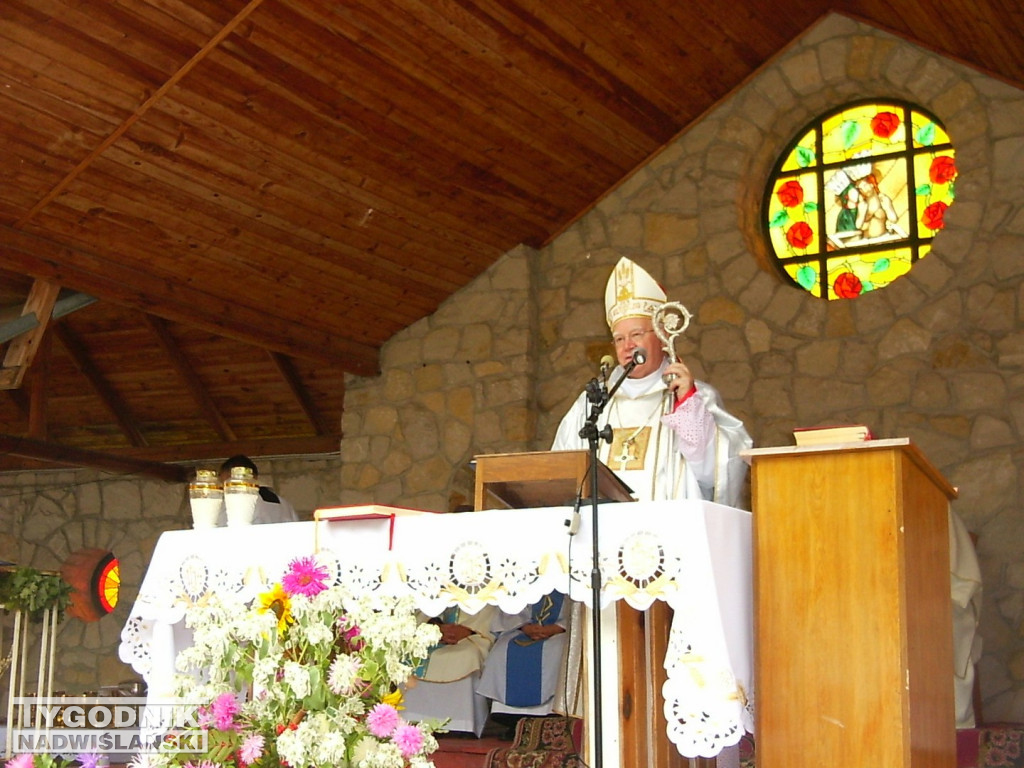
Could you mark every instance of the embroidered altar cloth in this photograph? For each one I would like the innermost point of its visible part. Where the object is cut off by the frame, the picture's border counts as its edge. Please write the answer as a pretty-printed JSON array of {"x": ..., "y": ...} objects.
[{"x": 694, "y": 555}]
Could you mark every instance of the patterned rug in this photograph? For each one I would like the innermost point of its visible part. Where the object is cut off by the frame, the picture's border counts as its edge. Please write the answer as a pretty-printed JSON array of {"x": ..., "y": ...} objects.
[
  {"x": 1001, "y": 748},
  {"x": 541, "y": 742}
]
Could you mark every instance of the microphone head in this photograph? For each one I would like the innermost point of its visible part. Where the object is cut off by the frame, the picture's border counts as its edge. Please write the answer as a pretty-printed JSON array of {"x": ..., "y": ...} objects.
[
  {"x": 639, "y": 355},
  {"x": 607, "y": 362}
]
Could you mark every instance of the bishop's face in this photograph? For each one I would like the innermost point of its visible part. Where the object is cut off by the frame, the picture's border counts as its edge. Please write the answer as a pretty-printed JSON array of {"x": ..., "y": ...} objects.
[{"x": 632, "y": 333}]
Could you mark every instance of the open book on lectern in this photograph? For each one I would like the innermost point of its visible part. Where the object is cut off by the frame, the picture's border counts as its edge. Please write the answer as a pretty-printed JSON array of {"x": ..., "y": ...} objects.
[{"x": 542, "y": 479}]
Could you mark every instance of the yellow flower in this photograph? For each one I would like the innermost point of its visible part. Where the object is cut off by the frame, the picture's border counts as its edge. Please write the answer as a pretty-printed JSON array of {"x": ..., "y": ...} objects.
[
  {"x": 394, "y": 699},
  {"x": 278, "y": 601}
]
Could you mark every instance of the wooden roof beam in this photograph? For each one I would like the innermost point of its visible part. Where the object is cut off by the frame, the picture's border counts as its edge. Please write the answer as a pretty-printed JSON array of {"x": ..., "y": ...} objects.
[
  {"x": 291, "y": 378},
  {"x": 76, "y": 457},
  {"x": 140, "y": 289},
  {"x": 99, "y": 383},
  {"x": 191, "y": 378},
  {"x": 22, "y": 350}
]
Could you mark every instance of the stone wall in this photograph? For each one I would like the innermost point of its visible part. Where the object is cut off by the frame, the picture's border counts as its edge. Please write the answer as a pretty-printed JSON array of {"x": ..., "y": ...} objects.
[
  {"x": 454, "y": 385},
  {"x": 936, "y": 357},
  {"x": 45, "y": 516}
]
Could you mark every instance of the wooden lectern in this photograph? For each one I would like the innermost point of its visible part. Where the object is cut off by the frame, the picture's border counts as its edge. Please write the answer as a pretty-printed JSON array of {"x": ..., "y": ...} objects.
[
  {"x": 854, "y": 657},
  {"x": 541, "y": 479}
]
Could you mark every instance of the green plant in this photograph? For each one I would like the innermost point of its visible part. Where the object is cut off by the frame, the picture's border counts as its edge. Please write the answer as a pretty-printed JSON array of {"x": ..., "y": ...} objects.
[{"x": 33, "y": 591}]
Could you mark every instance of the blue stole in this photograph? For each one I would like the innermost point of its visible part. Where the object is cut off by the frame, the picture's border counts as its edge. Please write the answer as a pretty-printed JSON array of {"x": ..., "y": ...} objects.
[{"x": 524, "y": 657}]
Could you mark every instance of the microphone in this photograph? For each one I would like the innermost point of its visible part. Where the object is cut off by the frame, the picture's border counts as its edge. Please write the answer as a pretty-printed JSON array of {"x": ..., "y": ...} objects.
[
  {"x": 639, "y": 356},
  {"x": 606, "y": 366}
]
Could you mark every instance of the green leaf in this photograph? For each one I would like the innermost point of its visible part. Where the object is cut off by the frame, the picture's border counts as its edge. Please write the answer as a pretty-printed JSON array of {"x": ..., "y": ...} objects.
[
  {"x": 850, "y": 130},
  {"x": 804, "y": 156},
  {"x": 810, "y": 207},
  {"x": 926, "y": 134},
  {"x": 807, "y": 277},
  {"x": 780, "y": 219},
  {"x": 880, "y": 265},
  {"x": 924, "y": 190}
]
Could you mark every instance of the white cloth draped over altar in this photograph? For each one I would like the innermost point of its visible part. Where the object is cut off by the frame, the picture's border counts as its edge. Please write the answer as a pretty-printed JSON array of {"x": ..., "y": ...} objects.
[{"x": 694, "y": 555}]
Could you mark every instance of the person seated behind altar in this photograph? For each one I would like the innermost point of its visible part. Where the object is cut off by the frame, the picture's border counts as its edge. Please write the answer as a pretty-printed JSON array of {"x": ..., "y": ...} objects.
[
  {"x": 270, "y": 508},
  {"x": 444, "y": 685},
  {"x": 523, "y": 671}
]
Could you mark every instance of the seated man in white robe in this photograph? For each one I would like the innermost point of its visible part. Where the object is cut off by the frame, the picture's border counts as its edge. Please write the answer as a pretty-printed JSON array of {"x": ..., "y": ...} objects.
[
  {"x": 444, "y": 687},
  {"x": 524, "y": 667}
]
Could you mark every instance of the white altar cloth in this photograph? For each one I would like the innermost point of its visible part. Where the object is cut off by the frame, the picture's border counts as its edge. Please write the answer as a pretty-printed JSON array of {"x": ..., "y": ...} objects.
[{"x": 694, "y": 555}]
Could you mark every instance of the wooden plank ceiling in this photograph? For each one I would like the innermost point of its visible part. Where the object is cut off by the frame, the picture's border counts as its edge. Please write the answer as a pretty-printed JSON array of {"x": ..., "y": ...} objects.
[{"x": 241, "y": 200}]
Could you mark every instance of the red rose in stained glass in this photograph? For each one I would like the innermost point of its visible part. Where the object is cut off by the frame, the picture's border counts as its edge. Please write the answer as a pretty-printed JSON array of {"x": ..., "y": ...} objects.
[
  {"x": 800, "y": 235},
  {"x": 884, "y": 124},
  {"x": 791, "y": 194},
  {"x": 848, "y": 286},
  {"x": 933, "y": 216},
  {"x": 942, "y": 169}
]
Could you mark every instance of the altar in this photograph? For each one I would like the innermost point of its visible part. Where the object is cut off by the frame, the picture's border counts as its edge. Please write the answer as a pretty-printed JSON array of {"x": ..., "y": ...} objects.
[{"x": 693, "y": 555}]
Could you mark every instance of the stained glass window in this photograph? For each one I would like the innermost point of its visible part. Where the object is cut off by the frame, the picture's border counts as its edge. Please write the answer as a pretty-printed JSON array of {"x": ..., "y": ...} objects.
[{"x": 857, "y": 198}]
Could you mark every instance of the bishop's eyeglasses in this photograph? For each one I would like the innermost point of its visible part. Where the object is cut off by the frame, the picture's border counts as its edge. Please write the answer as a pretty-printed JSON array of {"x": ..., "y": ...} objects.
[{"x": 635, "y": 337}]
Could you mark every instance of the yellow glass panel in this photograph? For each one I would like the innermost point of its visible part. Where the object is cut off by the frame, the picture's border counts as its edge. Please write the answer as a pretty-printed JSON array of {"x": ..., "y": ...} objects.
[
  {"x": 863, "y": 130},
  {"x": 806, "y": 276},
  {"x": 804, "y": 154},
  {"x": 793, "y": 214},
  {"x": 851, "y": 277}
]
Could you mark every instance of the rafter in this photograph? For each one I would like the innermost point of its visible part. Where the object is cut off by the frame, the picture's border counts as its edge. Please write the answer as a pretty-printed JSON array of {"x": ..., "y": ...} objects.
[
  {"x": 22, "y": 350},
  {"x": 301, "y": 394},
  {"x": 143, "y": 290},
  {"x": 110, "y": 398},
  {"x": 191, "y": 379},
  {"x": 76, "y": 457}
]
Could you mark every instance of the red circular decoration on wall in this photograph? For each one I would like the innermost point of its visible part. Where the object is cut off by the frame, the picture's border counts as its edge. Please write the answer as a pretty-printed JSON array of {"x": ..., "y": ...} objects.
[{"x": 95, "y": 579}]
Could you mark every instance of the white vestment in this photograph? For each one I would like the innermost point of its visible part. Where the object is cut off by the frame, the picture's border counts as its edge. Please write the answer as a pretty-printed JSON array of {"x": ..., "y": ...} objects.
[{"x": 646, "y": 453}]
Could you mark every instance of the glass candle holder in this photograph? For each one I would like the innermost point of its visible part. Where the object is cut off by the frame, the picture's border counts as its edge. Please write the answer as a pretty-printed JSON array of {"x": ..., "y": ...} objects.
[
  {"x": 206, "y": 497},
  {"x": 240, "y": 494}
]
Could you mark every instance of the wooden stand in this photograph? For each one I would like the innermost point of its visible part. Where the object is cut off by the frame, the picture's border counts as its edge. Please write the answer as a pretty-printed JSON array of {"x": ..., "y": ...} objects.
[
  {"x": 541, "y": 479},
  {"x": 854, "y": 659}
]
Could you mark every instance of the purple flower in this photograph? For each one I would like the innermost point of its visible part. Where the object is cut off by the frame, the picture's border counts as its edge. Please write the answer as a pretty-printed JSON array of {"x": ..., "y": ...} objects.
[
  {"x": 224, "y": 709},
  {"x": 382, "y": 720},
  {"x": 20, "y": 761},
  {"x": 90, "y": 760},
  {"x": 251, "y": 749},
  {"x": 305, "y": 577},
  {"x": 408, "y": 739}
]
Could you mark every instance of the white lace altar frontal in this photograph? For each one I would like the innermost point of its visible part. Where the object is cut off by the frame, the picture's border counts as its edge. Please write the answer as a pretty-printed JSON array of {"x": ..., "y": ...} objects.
[{"x": 694, "y": 555}]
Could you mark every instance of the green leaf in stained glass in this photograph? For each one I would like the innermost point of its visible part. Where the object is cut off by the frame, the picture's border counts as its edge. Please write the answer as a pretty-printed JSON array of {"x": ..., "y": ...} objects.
[
  {"x": 952, "y": 190},
  {"x": 866, "y": 286},
  {"x": 807, "y": 276},
  {"x": 881, "y": 265},
  {"x": 780, "y": 219},
  {"x": 810, "y": 206},
  {"x": 926, "y": 134},
  {"x": 804, "y": 156},
  {"x": 850, "y": 130},
  {"x": 924, "y": 190}
]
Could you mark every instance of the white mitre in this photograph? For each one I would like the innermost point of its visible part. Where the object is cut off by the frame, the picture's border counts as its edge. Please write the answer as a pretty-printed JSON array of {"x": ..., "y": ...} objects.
[{"x": 631, "y": 292}]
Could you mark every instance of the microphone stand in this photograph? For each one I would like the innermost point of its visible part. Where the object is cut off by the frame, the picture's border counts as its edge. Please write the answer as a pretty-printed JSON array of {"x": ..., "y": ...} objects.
[{"x": 598, "y": 396}]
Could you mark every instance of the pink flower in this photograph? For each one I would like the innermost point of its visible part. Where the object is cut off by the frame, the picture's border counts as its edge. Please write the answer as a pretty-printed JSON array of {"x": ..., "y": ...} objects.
[
  {"x": 305, "y": 577},
  {"x": 382, "y": 720},
  {"x": 251, "y": 749},
  {"x": 224, "y": 709},
  {"x": 20, "y": 761},
  {"x": 408, "y": 739}
]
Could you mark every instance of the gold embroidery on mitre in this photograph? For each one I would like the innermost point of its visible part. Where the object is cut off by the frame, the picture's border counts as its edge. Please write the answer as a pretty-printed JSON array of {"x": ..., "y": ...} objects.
[{"x": 628, "y": 450}]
